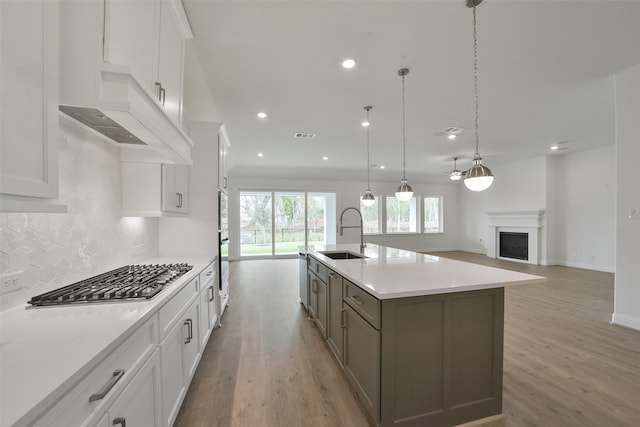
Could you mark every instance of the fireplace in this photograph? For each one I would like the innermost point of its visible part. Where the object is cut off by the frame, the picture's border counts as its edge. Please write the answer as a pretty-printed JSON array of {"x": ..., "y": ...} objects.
[
  {"x": 514, "y": 245},
  {"x": 523, "y": 231}
]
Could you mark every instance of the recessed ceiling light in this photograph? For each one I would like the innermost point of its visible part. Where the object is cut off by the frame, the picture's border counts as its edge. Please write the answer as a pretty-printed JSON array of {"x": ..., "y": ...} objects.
[
  {"x": 348, "y": 63},
  {"x": 365, "y": 123},
  {"x": 260, "y": 155},
  {"x": 451, "y": 136},
  {"x": 262, "y": 115},
  {"x": 382, "y": 166},
  {"x": 554, "y": 147},
  {"x": 325, "y": 158}
]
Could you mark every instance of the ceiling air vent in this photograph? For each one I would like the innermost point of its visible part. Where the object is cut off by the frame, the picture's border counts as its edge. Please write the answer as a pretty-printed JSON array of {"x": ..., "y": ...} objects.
[
  {"x": 453, "y": 129},
  {"x": 304, "y": 135}
]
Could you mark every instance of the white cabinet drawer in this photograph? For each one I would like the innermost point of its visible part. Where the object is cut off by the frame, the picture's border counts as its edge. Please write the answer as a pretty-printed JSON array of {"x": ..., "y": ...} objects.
[
  {"x": 91, "y": 395},
  {"x": 208, "y": 273},
  {"x": 172, "y": 310}
]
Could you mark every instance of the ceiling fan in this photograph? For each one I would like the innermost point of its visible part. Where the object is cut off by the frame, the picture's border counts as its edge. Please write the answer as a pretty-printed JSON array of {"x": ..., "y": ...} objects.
[{"x": 456, "y": 174}]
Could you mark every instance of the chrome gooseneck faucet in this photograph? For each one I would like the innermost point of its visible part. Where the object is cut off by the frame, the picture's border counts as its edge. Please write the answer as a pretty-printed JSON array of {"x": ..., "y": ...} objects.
[{"x": 361, "y": 227}]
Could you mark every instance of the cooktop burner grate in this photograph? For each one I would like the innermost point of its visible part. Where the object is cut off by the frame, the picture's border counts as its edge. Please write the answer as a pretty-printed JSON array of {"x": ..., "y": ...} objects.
[{"x": 131, "y": 282}]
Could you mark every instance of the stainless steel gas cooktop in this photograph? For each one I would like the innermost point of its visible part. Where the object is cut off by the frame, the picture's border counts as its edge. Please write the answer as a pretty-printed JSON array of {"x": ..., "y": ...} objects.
[{"x": 128, "y": 283}]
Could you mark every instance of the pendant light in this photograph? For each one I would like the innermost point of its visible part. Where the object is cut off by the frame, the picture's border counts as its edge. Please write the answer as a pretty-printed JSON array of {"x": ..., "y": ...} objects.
[
  {"x": 404, "y": 191},
  {"x": 368, "y": 199},
  {"x": 479, "y": 177}
]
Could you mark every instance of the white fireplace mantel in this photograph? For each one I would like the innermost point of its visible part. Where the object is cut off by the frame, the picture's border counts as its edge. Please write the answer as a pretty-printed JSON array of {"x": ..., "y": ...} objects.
[{"x": 530, "y": 222}]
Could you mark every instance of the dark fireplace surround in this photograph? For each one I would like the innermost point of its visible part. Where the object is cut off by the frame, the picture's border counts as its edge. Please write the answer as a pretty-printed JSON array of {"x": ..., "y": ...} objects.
[{"x": 514, "y": 245}]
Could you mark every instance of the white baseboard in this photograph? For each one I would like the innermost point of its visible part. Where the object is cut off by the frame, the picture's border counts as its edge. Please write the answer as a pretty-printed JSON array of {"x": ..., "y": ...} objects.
[
  {"x": 587, "y": 266},
  {"x": 627, "y": 321}
]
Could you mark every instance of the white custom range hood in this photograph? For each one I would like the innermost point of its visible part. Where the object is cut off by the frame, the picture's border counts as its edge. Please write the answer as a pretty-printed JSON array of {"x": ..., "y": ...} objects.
[{"x": 107, "y": 97}]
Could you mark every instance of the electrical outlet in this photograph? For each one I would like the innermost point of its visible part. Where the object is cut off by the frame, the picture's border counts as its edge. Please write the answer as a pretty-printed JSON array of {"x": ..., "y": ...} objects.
[
  {"x": 634, "y": 213},
  {"x": 10, "y": 282}
]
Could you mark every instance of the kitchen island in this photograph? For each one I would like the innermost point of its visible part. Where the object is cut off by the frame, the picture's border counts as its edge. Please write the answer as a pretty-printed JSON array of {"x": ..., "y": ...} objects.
[{"x": 419, "y": 337}]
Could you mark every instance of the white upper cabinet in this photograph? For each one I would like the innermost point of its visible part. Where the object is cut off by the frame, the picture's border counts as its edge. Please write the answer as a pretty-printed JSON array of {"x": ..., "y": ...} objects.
[
  {"x": 170, "y": 64},
  {"x": 29, "y": 104},
  {"x": 175, "y": 188},
  {"x": 144, "y": 35},
  {"x": 154, "y": 190},
  {"x": 130, "y": 38},
  {"x": 122, "y": 66}
]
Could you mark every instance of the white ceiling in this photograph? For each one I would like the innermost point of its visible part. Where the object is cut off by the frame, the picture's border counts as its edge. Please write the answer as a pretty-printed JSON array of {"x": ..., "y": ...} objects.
[{"x": 545, "y": 76}]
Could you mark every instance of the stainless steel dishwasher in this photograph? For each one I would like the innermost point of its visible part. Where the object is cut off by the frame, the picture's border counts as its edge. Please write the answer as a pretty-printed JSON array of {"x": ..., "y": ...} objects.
[{"x": 304, "y": 293}]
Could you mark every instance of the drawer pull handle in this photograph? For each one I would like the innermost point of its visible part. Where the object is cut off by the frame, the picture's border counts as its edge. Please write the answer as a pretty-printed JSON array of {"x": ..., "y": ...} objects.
[
  {"x": 357, "y": 299},
  {"x": 212, "y": 294},
  {"x": 107, "y": 388},
  {"x": 121, "y": 421},
  {"x": 189, "y": 324}
]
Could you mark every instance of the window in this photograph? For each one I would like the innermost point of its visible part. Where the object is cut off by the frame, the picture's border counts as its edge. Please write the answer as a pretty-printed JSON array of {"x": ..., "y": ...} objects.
[
  {"x": 371, "y": 217},
  {"x": 402, "y": 217},
  {"x": 432, "y": 214}
]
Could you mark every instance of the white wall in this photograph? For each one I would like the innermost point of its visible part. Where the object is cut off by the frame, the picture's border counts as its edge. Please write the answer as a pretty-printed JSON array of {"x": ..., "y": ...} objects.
[
  {"x": 627, "y": 284},
  {"x": 197, "y": 232},
  {"x": 52, "y": 250},
  {"x": 348, "y": 194},
  {"x": 579, "y": 206},
  {"x": 585, "y": 230}
]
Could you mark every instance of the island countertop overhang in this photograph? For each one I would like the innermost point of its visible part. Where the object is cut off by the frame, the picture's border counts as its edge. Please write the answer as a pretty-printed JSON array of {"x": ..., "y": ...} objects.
[{"x": 388, "y": 273}]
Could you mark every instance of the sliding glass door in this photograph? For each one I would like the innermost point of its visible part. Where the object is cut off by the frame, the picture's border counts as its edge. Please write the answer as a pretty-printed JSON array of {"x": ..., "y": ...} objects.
[
  {"x": 281, "y": 223},
  {"x": 289, "y": 223}
]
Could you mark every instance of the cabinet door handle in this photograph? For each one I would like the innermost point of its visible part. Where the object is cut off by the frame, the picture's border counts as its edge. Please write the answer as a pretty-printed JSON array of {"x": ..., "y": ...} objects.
[
  {"x": 158, "y": 89},
  {"x": 120, "y": 421},
  {"x": 343, "y": 323},
  {"x": 107, "y": 388},
  {"x": 314, "y": 286},
  {"x": 357, "y": 299},
  {"x": 178, "y": 200},
  {"x": 212, "y": 294},
  {"x": 189, "y": 324},
  {"x": 162, "y": 94}
]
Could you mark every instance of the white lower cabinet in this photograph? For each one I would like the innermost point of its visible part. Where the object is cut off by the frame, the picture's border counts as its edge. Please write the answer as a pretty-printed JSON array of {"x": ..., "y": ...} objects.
[
  {"x": 86, "y": 403},
  {"x": 144, "y": 380},
  {"x": 208, "y": 303},
  {"x": 139, "y": 403},
  {"x": 180, "y": 351}
]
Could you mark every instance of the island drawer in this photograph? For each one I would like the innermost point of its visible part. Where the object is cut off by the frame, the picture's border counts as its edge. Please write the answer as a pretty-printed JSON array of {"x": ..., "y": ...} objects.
[
  {"x": 363, "y": 303},
  {"x": 318, "y": 268}
]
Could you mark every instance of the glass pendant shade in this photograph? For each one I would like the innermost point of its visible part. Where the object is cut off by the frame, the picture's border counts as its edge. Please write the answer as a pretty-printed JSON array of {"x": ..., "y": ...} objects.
[
  {"x": 479, "y": 177},
  {"x": 368, "y": 199},
  {"x": 404, "y": 192}
]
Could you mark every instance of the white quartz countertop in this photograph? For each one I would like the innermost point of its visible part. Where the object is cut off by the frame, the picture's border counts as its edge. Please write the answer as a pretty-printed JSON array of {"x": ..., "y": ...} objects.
[
  {"x": 45, "y": 350},
  {"x": 389, "y": 273}
]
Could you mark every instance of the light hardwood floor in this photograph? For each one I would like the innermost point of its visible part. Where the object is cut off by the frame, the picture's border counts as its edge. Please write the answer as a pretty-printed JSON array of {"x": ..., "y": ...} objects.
[{"x": 564, "y": 364}]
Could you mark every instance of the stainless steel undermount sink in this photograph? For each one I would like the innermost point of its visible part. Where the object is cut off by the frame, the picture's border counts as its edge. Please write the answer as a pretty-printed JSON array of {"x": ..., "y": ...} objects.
[{"x": 341, "y": 255}]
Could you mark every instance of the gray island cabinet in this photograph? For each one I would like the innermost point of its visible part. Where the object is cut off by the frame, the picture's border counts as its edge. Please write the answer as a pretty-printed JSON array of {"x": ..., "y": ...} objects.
[{"x": 414, "y": 357}]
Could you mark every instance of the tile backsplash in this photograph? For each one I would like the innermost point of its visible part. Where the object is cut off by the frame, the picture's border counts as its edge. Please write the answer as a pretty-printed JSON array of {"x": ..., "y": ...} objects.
[{"x": 51, "y": 250}]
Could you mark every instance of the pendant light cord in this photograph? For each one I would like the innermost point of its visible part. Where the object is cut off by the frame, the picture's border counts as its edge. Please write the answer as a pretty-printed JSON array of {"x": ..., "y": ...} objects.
[
  {"x": 475, "y": 74},
  {"x": 368, "y": 164},
  {"x": 404, "y": 142}
]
